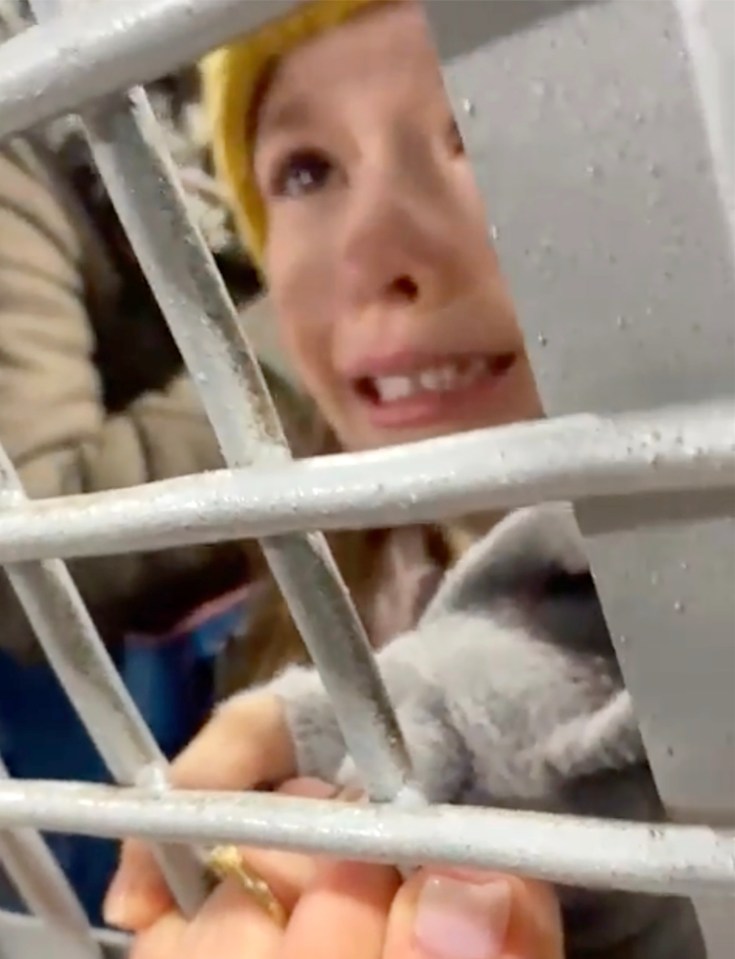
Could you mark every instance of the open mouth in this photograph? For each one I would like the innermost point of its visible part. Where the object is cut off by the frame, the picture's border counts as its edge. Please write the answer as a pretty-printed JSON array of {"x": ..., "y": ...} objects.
[{"x": 452, "y": 376}]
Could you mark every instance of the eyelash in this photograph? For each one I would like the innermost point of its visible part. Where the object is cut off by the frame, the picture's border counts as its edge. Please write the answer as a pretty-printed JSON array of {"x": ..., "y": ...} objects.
[
  {"x": 455, "y": 138},
  {"x": 297, "y": 163},
  {"x": 310, "y": 164}
]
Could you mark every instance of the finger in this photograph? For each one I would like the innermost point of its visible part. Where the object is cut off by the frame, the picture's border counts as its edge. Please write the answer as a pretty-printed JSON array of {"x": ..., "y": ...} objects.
[
  {"x": 344, "y": 913},
  {"x": 244, "y": 743},
  {"x": 225, "y": 755},
  {"x": 454, "y": 914},
  {"x": 308, "y": 787},
  {"x": 161, "y": 941},
  {"x": 535, "y": 928},
  {"x": 139, "y": 894},
  {"x": 231, "y": 925}
]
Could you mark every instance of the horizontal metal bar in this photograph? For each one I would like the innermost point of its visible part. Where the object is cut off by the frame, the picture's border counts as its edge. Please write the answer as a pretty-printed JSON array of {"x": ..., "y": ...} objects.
[
  {"x": 150, "y": 38},
  {"x": 690, "y": 449},
  {"x": 45, "y": 889},
  {"x": 653, "y": 858},
  {"x": 98, "y": 49}
]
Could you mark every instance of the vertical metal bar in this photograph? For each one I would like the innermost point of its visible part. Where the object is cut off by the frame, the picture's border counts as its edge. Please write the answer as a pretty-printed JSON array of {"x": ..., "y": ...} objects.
[
  {"x": 75, "y": 651},
  {"x": 709, "y": 31},
  {"x": 23, "y": 937},
  {"x": 143, "y": 185},
  {"x": 590, "y": 149},
  {"x": 45, "y": 889}
]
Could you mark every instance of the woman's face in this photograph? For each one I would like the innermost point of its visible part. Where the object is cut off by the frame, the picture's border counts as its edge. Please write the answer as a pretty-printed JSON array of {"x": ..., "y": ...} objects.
[{"x": 389, "y": 297}]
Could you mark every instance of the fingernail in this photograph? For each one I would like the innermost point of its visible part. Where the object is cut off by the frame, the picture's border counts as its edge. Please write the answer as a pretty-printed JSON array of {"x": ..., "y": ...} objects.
[
  {"x": 115, "y": 910},
  {"x": 461, "y": 920},
  {"x": 120, "y": 905},
  {"x": 351, "y": 793}
]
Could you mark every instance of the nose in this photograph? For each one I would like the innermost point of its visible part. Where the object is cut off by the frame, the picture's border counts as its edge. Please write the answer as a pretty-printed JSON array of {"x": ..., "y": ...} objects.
[{"x": 403, "y": 244}]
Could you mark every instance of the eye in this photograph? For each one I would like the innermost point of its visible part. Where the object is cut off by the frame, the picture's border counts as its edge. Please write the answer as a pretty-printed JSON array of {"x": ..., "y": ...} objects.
[
  {"x": 302, "y": 172},
  {"x": 454, "y": 138}
]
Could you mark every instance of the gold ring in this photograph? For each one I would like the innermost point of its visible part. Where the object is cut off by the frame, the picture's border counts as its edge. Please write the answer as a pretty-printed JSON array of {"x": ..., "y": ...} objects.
[{"x": 224, "y": 862}]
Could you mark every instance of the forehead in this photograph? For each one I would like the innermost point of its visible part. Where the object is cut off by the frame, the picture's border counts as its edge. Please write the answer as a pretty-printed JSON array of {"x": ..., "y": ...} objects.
[{"x": 386, "y": 48}]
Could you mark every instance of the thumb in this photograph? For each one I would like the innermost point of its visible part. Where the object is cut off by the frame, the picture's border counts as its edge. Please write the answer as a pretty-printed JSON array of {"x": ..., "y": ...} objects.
[{"x": 456, "y": 914}]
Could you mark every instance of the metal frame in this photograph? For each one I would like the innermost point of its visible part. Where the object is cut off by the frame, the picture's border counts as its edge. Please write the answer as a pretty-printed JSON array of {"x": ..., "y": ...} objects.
[
  {"x": 630, "y": 195},
  {"x": 618, "y": 200}
]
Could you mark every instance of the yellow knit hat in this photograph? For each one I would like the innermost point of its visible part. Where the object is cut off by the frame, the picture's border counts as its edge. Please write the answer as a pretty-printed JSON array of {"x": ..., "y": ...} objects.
[{"x": 231, "y": 79}]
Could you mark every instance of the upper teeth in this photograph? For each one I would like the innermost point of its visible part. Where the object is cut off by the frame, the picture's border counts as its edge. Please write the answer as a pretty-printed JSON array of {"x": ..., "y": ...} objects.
[{"x": 436, "y": 379}]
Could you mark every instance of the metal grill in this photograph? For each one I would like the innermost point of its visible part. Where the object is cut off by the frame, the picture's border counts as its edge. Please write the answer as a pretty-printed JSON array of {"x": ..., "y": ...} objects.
[{"x": 620, "y": 249}]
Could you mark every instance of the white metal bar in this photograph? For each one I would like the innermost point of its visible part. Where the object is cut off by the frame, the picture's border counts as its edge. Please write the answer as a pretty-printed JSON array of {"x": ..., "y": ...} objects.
[
  {"x": 99, "y": 49},
  {"x": 575, "y": 457},
  {"x": 617, "y": 248},
  {"x": 27, "y": 937},
  {"x": 146, "y": 39},
  {"x": 139, "y": 176},
  {"x": 44, "y": 888},
  {"x": 144, "y": 188},
  {"x": 143, "y": 184},
  {"x": 85, "y": 670},
  {"x": 473, "y": 29},
  {"x": 655, "y": 858},
  {"x": 709, "y": 30}
]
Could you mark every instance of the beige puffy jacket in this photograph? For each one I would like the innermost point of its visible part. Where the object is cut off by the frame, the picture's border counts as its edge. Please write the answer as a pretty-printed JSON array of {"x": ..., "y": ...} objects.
[{"x": 60, "y": 297}]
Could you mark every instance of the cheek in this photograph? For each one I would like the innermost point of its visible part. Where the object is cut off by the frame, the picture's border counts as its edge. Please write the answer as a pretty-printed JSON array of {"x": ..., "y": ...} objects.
[
  {"x": 299, "y": 264},
  {"x": 301, "y": 288}
]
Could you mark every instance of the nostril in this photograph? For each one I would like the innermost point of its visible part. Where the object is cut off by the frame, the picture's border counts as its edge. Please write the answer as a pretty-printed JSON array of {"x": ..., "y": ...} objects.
[{"x": 405, "y": 287}]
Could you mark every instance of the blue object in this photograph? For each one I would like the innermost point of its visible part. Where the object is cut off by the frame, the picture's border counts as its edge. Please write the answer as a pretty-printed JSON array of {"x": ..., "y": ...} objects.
[{"x": 171, "y": 680}]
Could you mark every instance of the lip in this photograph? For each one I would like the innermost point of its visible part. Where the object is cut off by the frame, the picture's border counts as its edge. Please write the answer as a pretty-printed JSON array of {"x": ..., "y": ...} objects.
[{"x": 429, "y": 408}]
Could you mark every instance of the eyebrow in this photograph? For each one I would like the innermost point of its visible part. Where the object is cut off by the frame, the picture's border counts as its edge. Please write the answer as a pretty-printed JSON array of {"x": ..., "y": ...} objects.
[{"x": 288, "y": 115}]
